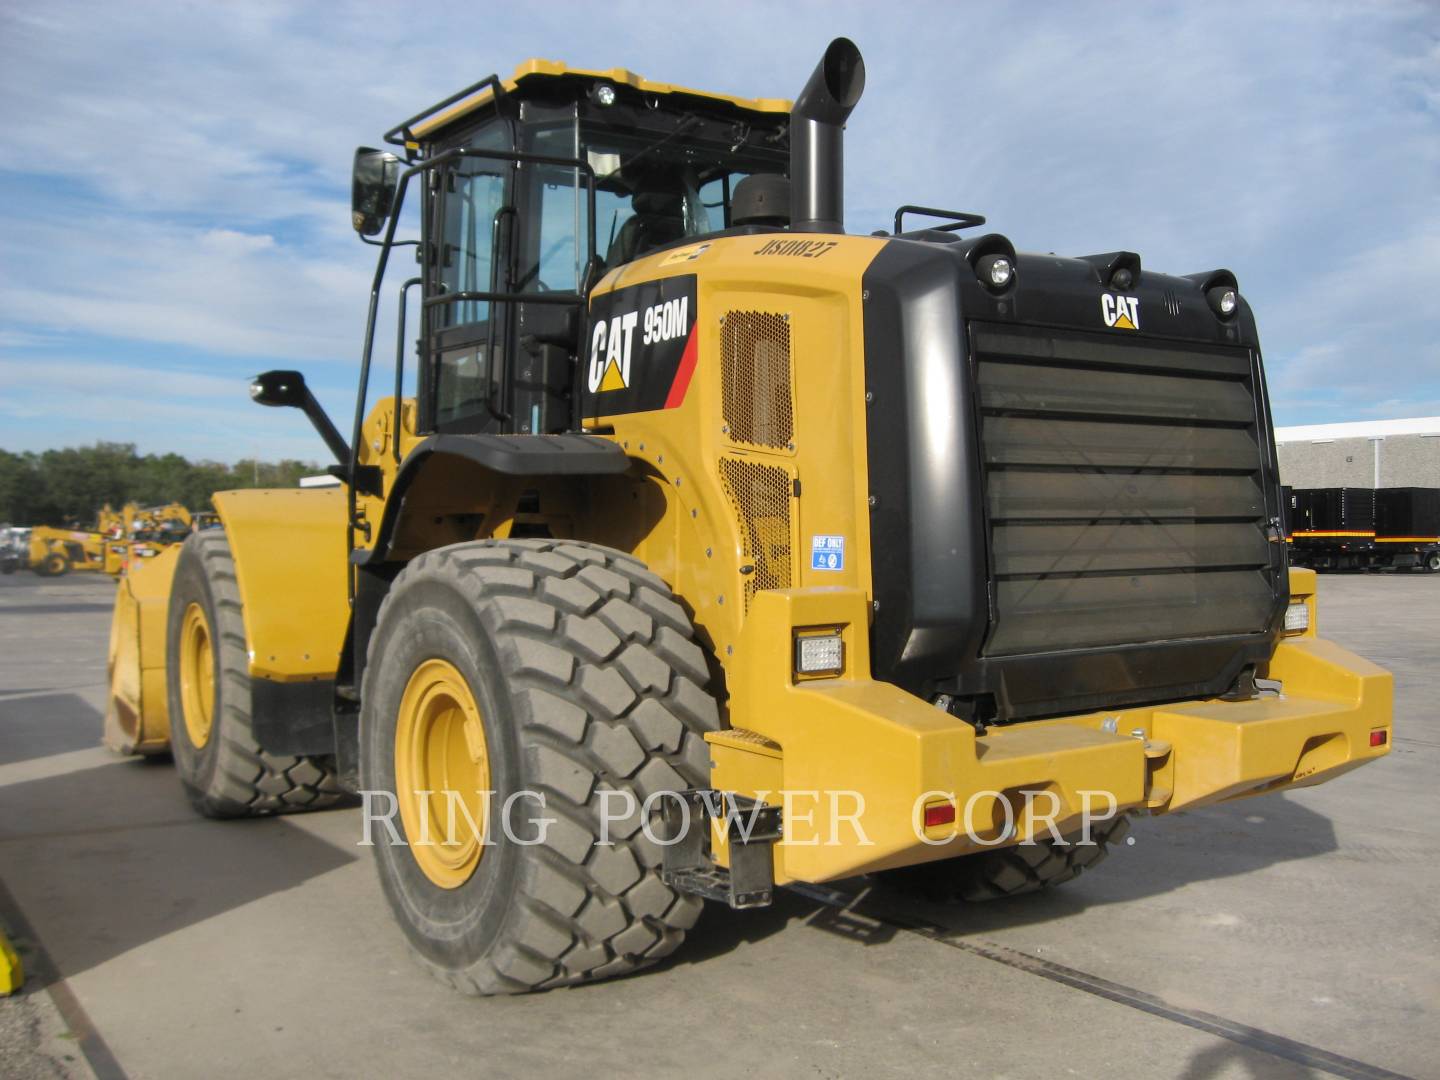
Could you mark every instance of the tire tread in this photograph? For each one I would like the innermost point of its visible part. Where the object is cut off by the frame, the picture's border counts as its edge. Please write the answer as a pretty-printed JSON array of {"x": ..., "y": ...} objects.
[
  {"x": 584, "y": 684},
  {"x": 248, "y": 781}
]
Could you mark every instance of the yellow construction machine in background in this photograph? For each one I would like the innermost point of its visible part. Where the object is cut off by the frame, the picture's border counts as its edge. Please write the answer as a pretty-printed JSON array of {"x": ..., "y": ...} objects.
[
  {"x": 53, "y": 552},
  {"x": 119, "y": 540}
]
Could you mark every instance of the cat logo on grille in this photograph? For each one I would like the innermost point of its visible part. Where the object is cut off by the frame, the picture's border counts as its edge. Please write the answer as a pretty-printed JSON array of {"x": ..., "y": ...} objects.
[{"x": 1121, "y": 312}]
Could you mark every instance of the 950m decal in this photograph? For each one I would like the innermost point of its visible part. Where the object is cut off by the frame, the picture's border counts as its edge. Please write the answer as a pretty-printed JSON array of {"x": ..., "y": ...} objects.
[{"x": 642, "y": 347}]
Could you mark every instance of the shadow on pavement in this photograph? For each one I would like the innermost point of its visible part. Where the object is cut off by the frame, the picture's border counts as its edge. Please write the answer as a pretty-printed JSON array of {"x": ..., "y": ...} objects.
[
  {"x": 1200, "y": 845},
  {"x": 106, "y": 859},
  {"x": 79, "y": 608},
  {"x": 36, "y": 727},
  {"x": 1169, "y": 853},
  {"x": 1225, "y": 1059}
]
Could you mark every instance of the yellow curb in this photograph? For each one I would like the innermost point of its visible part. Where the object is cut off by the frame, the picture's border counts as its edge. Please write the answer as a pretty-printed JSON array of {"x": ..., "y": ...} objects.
[{"x": 12, "y": 974}]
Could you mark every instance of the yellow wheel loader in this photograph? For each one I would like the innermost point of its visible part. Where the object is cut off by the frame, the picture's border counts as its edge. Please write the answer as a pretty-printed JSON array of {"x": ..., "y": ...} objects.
[
  {"x": 719, "y": 550},
  {"x": 55, "y": 552}
]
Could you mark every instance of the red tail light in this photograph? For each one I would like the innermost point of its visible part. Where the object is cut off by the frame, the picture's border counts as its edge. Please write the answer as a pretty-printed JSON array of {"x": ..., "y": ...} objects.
[
  {"x": 939, "y": 814},
  {"x": 1378, "y": 737}
]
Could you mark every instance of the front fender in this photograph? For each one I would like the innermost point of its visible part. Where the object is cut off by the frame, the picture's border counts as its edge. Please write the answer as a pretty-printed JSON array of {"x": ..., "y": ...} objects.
[{"x": 289, "y": 547}]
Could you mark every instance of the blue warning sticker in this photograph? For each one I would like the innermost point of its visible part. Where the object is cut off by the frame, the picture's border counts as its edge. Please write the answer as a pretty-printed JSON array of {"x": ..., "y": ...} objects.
[{"x": 827, "y": 553}]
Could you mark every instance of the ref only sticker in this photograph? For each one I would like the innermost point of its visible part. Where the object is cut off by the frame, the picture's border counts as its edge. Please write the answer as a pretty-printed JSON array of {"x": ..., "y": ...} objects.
[{"x": 827, "y": 553}]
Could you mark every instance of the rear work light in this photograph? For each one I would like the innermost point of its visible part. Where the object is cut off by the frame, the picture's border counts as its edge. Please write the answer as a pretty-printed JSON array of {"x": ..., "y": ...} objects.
[
  {"x": 995, "y": 271},
  {"x": 1297, "y": 618},
  {"x": 1379, "y": 737},
  {"x": 819, "y": 654}
]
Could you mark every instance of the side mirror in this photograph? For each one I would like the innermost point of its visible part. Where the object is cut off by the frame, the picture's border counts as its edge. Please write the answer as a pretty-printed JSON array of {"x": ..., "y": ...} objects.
[
  {"x": 287, "y": 388},
  {"x": 279, "y": 388},
  {"x": 372, "y": 189}
]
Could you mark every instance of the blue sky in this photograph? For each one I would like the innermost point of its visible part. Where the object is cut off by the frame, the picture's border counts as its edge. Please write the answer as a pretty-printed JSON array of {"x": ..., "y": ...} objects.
[{"x": 174, "y": 186}]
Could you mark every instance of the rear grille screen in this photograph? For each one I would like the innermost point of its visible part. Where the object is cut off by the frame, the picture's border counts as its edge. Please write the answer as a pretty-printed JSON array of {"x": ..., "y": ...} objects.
[
  {"x": 760, "y": 496},
  {"x": 757, "y": 400},
  {"x": 1124, "y": 491}
]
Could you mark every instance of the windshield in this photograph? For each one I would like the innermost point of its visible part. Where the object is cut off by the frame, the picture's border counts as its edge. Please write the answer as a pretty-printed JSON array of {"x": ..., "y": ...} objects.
[
  {"x": 653, "y": 187},
  {"x": 653, "y": 191}
]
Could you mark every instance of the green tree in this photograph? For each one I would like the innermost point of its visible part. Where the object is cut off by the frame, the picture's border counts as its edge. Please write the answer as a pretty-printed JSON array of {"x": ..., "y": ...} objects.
[{"x": 69, "y": 486}]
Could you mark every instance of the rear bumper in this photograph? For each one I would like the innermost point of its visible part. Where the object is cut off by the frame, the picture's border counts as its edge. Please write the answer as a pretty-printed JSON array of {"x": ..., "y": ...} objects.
[{"x": 855, "y": 761}]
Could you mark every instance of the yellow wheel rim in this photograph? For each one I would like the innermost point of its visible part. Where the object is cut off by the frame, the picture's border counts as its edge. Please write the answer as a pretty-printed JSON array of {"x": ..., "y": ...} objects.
[
  {"x": 442, "y": 773},
  {"x": 197, "y": 675}
]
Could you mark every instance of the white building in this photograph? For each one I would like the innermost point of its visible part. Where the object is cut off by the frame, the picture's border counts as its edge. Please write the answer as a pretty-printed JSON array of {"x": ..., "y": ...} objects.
[{"x": 1367, "y": 453}]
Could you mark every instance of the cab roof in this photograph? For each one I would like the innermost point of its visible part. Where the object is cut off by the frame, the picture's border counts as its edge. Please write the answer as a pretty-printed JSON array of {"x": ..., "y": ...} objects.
[{"x": 441, "y": 116}]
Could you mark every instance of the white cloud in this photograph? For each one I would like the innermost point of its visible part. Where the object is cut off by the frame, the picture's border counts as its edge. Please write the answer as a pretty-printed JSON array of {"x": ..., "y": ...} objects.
[{"x": 220, "y": 290}]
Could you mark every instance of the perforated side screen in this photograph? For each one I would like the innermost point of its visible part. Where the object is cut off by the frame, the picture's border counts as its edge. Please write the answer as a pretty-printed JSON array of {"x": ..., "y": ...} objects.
[
  {"x": 760, "y": 496},
  {"x": 757, "y": 400}
]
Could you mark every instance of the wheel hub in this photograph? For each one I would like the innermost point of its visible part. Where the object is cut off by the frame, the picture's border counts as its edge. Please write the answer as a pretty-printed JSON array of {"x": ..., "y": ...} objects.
[
  {"x": 442, "y": 773},
  {"x": 197, "y": 676}
]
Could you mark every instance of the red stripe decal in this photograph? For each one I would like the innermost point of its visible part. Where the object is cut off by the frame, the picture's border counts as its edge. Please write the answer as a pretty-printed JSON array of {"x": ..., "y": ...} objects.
[{"x": 683, "y": 373}]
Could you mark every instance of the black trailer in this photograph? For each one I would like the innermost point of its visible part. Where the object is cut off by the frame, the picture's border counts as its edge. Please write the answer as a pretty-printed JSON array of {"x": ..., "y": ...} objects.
[
  {"x": 1407, "y": 528},
  {"x": 1332, "y": 528}
]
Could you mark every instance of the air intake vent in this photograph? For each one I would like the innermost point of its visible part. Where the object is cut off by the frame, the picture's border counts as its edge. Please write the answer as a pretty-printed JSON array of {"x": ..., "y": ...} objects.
[
  {"x": 759, "y": 406},
  {"x": 760, "y": 497},
  {"x": 1124, "y": 491}
]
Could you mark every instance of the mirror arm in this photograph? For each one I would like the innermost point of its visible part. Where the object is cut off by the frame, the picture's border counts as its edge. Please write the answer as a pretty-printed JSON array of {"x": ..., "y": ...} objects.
[{"x": 325, "y": 427}]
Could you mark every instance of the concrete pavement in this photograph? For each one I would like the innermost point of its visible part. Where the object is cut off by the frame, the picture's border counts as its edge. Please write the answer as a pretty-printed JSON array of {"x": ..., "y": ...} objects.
[{"x": 1285, "y": 936}]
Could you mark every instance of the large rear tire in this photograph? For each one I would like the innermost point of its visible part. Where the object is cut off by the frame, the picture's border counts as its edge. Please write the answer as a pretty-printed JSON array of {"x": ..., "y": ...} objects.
[
  {"x": 224, "y": 771},
  {"x": 554, "y": 667},
  {"x": 1010, "y": 871}
]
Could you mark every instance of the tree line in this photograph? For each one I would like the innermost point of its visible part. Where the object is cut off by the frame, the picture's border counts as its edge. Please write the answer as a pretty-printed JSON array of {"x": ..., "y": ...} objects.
[{"x": 67, "y": 487}]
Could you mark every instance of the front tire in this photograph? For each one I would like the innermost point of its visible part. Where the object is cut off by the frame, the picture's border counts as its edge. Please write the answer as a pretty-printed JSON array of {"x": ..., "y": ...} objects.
[
  {"x": 223, "y": 769},
  {"x": 564, "y": 669}
]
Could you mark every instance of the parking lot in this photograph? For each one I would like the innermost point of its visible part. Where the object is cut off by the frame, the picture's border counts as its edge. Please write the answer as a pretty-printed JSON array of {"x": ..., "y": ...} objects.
[{"x": 1288, "y": 936}]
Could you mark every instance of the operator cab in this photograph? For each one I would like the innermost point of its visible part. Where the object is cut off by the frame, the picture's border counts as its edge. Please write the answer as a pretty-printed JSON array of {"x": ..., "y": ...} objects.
[{"x": 512, "y": 237}]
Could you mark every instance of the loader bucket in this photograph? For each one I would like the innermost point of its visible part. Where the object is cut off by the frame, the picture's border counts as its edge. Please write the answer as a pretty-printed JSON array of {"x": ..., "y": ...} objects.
[{"x": 136, "y": 713}]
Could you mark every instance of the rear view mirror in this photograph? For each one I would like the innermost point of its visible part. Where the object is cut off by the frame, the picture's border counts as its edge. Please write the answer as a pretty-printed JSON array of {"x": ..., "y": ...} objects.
[
  {"x": 372, "y": 189},
  {"x": 288, "y": 389},
  {"x": 279, "y": 388}
]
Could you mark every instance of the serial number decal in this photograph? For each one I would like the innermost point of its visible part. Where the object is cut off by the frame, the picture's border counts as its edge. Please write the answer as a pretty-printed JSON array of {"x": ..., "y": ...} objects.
[
  {"x": 804, "y": 249},
  {"x": 642, "y": 348}
]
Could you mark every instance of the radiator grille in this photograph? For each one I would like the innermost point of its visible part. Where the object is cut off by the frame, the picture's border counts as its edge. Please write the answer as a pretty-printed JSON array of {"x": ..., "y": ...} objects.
[
  {"x": 760, "y": 496},
  {"x": 1124, "y": 491},
  {"x": 757, "y": 399}
]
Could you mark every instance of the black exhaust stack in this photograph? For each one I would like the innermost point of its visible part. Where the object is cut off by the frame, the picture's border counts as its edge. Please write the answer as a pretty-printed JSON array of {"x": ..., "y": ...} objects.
[{"x": 817, "y": 139}]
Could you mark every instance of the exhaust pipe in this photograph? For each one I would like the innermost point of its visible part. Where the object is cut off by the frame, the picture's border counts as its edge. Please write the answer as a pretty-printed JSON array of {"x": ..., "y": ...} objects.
[{"x": 817, "y": 139}]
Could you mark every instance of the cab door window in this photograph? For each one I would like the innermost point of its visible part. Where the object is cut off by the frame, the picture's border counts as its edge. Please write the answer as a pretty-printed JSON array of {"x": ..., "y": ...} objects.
[{"x": 474, "y": 195}]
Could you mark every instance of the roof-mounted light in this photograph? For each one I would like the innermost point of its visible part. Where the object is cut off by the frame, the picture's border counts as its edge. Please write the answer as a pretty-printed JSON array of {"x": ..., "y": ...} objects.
[
  {"x": 1223, "y": 300},
  {"x": 995, "y": 272},
  {"x": 1221, "y": 291}
]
